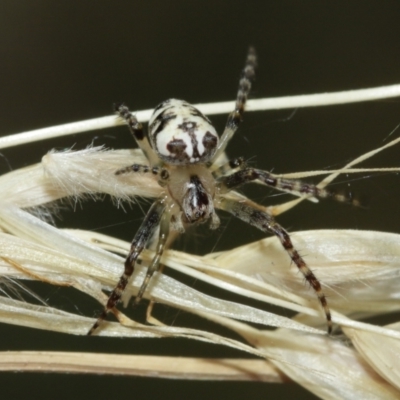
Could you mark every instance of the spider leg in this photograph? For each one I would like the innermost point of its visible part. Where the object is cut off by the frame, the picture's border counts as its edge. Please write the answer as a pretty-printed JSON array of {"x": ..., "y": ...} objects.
[
  {"x": 143, "y": 235},
  {"x": 296, "y": 187},
  {"x": 236, "y": 116},
  {"x": 267, "y": 223},
  {"x": 155, "y": 263},
  {"x": 137, "y": 132},
  {"x": 229, "y": 167},
  {"x": 162, "y": 173},
  {"x": 141, "y": 168}
]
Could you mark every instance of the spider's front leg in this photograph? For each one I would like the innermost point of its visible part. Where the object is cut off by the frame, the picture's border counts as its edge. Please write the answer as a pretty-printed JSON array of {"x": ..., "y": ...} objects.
[
  {"x": 267, "y": 223},
  {"x": 142, "y": 237}
]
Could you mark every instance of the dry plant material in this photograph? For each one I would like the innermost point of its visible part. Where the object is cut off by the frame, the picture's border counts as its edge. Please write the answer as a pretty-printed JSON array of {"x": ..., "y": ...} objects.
[{"x": 359, "y": 269}]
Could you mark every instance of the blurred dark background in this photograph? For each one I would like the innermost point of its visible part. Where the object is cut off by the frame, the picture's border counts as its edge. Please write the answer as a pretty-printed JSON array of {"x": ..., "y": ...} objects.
[{"x": 70, "y": 60}]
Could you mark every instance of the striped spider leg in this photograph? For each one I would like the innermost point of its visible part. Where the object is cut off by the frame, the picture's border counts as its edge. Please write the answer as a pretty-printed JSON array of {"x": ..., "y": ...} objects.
[
  {"x": 152, "y": 220},
  {"x": 249, "y": 213},
  {"x": 181, "y": 147},
  {"x": 236, "y": 173}
]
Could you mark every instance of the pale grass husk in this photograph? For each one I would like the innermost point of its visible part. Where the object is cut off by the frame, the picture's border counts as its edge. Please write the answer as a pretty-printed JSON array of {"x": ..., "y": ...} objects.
[{"x": 360, "y": 272}]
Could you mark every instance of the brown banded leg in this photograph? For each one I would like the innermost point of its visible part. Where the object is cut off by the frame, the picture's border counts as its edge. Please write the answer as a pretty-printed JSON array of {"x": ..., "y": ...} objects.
[
  {"x": 143, "y": 235},
  {"x": 140, "y": 168},
  {"x": 236, "y": 116},
  {"x": 162, "y": 173},
  {"x": 228, "y": 168},
  {"x": 155, "y": 263},
  {"x": 137, "y": 132},
  {"x": 292, "y": 186},
  {"x": 267, "y": 223}
]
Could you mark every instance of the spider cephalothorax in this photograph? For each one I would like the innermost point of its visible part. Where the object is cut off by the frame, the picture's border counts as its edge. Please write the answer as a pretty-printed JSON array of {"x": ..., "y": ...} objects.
[{"x": 181, "y": 148}]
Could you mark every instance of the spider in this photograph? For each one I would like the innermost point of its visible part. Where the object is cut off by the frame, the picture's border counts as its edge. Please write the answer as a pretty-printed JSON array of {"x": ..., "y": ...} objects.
[{"x": 181, "y": 147}]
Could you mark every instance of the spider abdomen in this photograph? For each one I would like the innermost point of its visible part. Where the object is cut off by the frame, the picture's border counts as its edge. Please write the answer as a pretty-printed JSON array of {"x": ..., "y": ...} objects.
[{"x": 181, "y": 134}]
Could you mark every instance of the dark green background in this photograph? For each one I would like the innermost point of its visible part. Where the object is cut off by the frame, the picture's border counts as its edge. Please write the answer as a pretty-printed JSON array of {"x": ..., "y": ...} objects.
[{"x": 70, "y": 60}]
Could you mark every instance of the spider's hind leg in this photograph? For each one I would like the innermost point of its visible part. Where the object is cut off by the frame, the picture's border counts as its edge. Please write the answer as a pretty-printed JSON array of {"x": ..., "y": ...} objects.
[
  {"x": 236, "y": 116},
  {"x": 267, "y": 223},
  {"x": 137, "y": 131}
]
